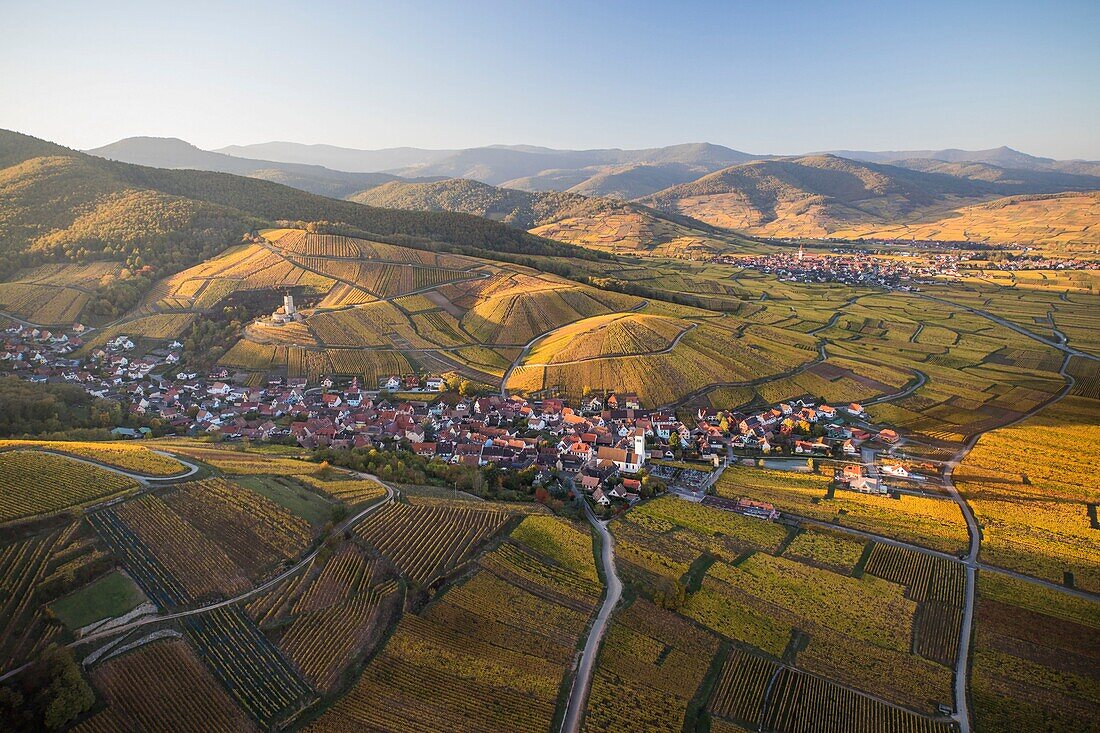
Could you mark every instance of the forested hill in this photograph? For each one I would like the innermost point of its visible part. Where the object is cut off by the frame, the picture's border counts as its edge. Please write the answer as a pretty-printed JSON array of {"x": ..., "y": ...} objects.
[
  {"x": 60, "y": 204},
  {"x": 523, "y": 209}
]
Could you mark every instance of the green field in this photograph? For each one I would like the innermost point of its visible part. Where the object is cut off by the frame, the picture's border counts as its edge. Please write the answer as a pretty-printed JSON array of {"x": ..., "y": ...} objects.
[{"x": 112, "y": 595}]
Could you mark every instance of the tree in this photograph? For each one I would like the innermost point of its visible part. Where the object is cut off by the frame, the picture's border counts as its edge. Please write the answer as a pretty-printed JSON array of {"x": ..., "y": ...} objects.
[{"x": 66, "y": 694}]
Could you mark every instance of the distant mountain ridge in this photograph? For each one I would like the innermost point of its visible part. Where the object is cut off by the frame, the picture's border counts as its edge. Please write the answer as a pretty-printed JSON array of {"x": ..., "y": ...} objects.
[
  {"x": 1004, "y": 157},
  {"x": 65, "y": 205},
  {"x": 818, "y": 194},
  {"x": 173, "y": 153}
]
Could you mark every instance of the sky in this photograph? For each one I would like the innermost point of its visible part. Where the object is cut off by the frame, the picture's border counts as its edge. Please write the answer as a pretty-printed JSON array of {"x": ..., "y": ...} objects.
[{"x": 764, "y": 77}]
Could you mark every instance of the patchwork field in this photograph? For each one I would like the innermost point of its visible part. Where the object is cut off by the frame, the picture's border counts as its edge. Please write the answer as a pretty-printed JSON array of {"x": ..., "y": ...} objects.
[
  {"x": 1027, "y": 485},
  {"x": 1035, "y": 659},
  {"x": 489, "y": 655}
]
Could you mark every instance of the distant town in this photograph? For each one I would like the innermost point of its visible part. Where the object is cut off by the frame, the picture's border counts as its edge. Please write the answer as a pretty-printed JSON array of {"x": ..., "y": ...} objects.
[{"x": 900, "y": 271}]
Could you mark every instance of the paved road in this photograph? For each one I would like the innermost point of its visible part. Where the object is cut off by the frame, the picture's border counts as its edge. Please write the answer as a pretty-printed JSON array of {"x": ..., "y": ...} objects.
[
  {"x": 582, "y": 683},
  {"x": 962, "y": 663}
]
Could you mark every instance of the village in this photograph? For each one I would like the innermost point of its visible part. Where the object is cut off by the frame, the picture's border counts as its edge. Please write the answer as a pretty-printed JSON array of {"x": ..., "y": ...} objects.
[
  {"x": 901, "y": 270},
  {"x": 607, "y": 446}
]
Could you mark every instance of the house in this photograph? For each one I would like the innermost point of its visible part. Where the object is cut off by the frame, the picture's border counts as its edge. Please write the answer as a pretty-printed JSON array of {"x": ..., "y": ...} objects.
[
  {"x": 600, "y": 498},
  {"x": 590, "y": 483},
  {"x": 888, "y": 436},
  {"x": 868, "y": 485},
  {"x": 855, "y": 409},
  {"x": 758, "y": 509},
  {"x": 391, "y": 384},
  {"x": 898, "y": 471},
  {"x": 436, "y": 384}
]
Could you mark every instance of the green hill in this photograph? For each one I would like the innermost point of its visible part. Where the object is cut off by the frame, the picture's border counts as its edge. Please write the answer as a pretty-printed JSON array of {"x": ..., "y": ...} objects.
[
  {"x": 594, "y": 222},
  {"x": 61, "y": 205}
]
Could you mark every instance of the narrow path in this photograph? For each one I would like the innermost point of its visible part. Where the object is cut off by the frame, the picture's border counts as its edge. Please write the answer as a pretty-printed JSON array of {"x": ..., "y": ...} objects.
[
  {"x": 527, "y": 349},
  {"x": 1061, "y": 346},
  {"x": 141, "y": 478},
  {"x": 601, "y": 357},
  {"x": 293, "y": 570},
  {"x": 909, "y": 389},
  {"x": 582, "y": 683}
]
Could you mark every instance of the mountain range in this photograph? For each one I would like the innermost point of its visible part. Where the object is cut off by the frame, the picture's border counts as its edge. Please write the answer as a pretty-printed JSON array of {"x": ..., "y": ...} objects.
[{"x": 685, "y": 192}]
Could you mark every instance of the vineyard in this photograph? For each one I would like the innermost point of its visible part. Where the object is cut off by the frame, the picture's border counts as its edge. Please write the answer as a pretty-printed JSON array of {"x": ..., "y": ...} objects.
[
  {"x": 369, "y": 366},
  {"x": 255, "y": 532},
  {"x": 934, "y": 523},
  {"x": 650, "y": 665},
  {"x": 234, "y": 461},
  {"x": 353, "y": 492},
  {"x": 24, "y": 564},
  {"x": 298, "y": 242},
  {"x": 127, "y": 456},
  {"x": 172, "y": 560},
  {"x": 516, "y": 310},
  {"x": 162, "y": 686},
  {"x": 801, "y": 703},
  {"x": 487, "y": 656},
  {"x": 610, "y": 335},
  {"x": 740, "y": 691},
  {"x": 383, "y": 280},
  {"x": 329, "y": 619},
  {"x": 426, "y": 542},
  {"x": 251, "y": 669},
  {"x": 42, "y": 483},
  {"x": 829, "y": 550},
  {"x": 44, "y": 304},
  {"x": 706, "y": 355},
  {"x": 1024, "y": 485},
  {"x": 937, "y": 585},
  {"x": 1035, "y": 660}
]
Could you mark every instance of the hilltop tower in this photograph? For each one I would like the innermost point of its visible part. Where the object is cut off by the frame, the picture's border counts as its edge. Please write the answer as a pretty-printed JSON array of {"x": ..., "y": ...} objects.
[{"x": 288, "y": 305}]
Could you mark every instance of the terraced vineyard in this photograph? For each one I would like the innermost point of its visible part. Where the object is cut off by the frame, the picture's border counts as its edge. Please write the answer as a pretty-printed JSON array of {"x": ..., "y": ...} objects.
[{"x": 711, "y": 353}]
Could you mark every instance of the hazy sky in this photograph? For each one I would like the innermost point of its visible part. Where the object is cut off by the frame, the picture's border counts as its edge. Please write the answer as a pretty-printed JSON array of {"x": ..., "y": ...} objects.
[{"x": 765, "y": 77}]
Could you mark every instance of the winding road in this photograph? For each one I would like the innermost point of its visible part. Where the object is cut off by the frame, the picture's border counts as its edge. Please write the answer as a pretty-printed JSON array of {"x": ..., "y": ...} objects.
[{"x": 582, "y": 682}]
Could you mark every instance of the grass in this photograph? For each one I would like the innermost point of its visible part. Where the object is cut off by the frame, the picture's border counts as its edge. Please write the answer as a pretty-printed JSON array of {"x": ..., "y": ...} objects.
[
  {"x": 291, "y": 495},
  {"x": 112, "y": 595}
]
